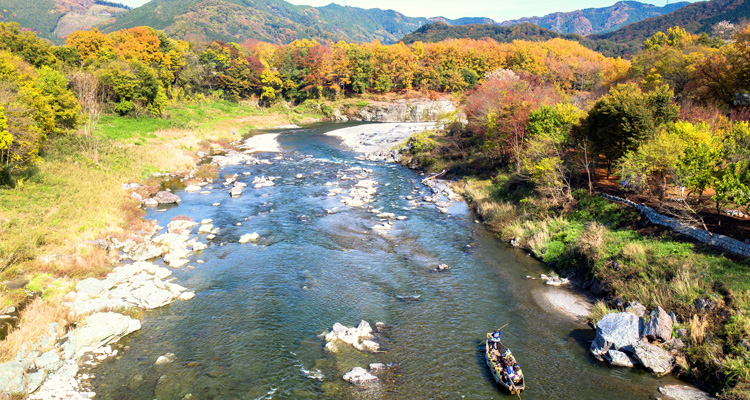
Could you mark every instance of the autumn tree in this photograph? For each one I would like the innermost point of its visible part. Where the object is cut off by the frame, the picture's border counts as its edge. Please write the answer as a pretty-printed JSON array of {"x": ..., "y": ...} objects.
[
  {"x": 27, "y": 116},
  {"x": 626, "y": 117},
  {"x": 91, "y": 45},
  {"x": 546, "y": 156},
  {"x": 499, "y": 110}
]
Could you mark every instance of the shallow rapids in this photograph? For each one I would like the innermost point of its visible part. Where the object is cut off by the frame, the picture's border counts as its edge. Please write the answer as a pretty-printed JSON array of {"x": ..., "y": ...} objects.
[{"x": 252, "y": 331}]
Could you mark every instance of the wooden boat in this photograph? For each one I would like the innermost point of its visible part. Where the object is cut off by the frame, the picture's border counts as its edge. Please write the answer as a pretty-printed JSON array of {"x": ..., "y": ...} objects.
[{"x": 496, "y": 367}]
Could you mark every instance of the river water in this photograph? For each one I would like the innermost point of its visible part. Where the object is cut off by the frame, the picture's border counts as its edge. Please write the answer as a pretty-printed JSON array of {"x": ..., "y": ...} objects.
[{"x": 252, "y": 331}]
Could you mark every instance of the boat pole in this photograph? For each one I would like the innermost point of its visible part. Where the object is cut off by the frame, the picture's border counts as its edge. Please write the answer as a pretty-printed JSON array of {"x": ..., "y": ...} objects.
[{"x": 516, "y": 389}]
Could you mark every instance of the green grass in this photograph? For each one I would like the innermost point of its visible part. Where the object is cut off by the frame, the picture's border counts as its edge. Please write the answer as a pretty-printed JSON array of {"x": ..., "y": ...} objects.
[{"x": 197, "y": 116}]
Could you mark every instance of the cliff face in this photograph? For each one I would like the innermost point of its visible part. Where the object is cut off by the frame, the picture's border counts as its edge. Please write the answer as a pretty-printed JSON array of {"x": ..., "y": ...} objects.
[{"x": 399, "y": 111}]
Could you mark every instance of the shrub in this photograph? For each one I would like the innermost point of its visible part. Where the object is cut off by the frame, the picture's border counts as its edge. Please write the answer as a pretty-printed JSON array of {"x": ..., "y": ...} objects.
[{"x": 124, "y": 107}]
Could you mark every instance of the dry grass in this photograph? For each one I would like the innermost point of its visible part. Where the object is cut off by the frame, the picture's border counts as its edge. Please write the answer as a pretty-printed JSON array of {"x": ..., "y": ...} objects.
[
  {"x": 591, "y": 241},
  {"x": 207, "y": 172},
  {"x": 598, "y": 311},
  {"x": 34, "y": 326},
  {"x": 697, "y": 327},
  {"x": 634, "y": 252}
]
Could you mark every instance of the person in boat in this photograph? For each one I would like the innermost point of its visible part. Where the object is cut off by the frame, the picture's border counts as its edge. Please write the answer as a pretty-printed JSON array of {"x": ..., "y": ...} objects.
[
  {"x": 508, "y": 375},
  {"x": 495, "y": 342},
  {"x": 509, "y": 359},
  {"x": 517, "y": 374}
]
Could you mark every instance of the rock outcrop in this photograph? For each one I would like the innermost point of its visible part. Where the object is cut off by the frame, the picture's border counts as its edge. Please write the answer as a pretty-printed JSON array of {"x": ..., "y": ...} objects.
[
  {"x": 681, "y": 392},
  {"x": 422, "y": 110}
]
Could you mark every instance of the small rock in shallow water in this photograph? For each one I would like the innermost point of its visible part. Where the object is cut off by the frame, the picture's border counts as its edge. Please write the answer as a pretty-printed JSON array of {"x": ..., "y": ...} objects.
[
  {"x": 360, "y": 376},
  {"x": 165, "y": 359},
  {"x": 186, "y": 296},
  {"x": 250, "y": 237}
]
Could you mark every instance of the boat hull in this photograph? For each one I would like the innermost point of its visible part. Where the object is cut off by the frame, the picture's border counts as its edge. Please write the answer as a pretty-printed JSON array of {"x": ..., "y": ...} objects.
[{"x": 495, "y": 369}]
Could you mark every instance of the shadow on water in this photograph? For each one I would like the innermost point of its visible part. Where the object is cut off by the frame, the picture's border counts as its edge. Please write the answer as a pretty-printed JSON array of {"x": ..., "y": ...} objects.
[{"x": 482, "y": 362}]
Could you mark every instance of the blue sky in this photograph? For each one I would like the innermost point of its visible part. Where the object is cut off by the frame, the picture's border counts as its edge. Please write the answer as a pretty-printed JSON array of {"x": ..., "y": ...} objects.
[{"x": 498, "y": 10}]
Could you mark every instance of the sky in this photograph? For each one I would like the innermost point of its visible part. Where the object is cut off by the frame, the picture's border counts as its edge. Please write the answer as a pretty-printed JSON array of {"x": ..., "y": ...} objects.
[{"x": 499, "y": 10}]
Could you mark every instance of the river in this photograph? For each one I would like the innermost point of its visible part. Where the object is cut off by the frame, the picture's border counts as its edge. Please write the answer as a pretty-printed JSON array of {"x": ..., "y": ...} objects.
[{"x": 252, "y": 331}]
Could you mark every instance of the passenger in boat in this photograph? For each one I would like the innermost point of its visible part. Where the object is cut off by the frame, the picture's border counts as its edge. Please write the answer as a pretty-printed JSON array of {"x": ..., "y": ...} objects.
[
  {"x": 509, "y": 359},
  {"x": 517, "y": 374},
  {"x": 508, "y": 375}
]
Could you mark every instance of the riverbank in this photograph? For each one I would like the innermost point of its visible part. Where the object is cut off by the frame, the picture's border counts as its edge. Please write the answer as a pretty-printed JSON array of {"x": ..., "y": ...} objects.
[
  {"x": 610, "y": 252},
  {"x": 72, "y": 221}
]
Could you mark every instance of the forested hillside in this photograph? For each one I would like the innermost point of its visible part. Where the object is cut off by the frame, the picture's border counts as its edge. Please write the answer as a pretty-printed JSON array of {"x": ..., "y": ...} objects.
[{"x": 506, "y": 34}]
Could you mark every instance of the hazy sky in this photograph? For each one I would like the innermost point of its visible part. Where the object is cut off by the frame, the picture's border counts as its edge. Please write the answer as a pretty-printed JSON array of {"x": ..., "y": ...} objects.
[{"x": 498, "y": 10}]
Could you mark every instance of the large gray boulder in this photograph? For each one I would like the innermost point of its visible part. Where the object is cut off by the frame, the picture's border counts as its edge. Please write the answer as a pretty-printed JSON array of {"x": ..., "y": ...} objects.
[
  {"x": 654, "y": 358},
  {"x": 618, "y": 331},
  {"x": 681, "y": 392},
  {"x": 98, "y": 330},
  {"x": 659, "y": 326},
  {"x": 165, "y": 197}
]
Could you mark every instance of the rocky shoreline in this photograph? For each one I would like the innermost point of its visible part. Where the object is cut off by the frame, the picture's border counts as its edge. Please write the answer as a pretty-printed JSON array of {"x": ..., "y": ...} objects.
[{"x": 50, "y": 368}]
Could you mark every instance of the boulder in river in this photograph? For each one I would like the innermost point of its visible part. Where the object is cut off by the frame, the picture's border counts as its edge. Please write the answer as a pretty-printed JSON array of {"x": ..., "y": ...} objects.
[
  {"x": 165, "y": 197},
  {"x": 250, "y": 237},
  {"x": 358, "y": 337},
  {"x": 360, "y": 376},
  {"x": 235, "y": 191},
  {"x": 682, "y": 392},
  {"x": 659, "y": 326},
  {"x": 654, "y": 358},
  {"x": 618, "y": 331}
]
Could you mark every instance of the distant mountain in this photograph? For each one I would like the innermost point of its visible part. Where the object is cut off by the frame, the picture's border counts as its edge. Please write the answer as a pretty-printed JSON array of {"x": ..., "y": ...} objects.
[
  {"x": 274, "y": 21},
  {"x": 463, "y": 21},
  {"x": 598, "y": 20},
  {"x": 53, "y": 19},
  {"x": 695, "y": 18}
]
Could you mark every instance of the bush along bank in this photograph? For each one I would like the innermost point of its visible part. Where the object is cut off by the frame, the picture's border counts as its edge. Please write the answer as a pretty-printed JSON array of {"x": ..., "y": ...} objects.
[{"x": 613, "y": 252}]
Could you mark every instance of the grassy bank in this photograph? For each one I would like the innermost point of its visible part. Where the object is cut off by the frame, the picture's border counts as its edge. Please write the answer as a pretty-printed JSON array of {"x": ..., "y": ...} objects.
[
  {"x": 616, "y": 256},
  {"x": 49, "y": 220}
]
